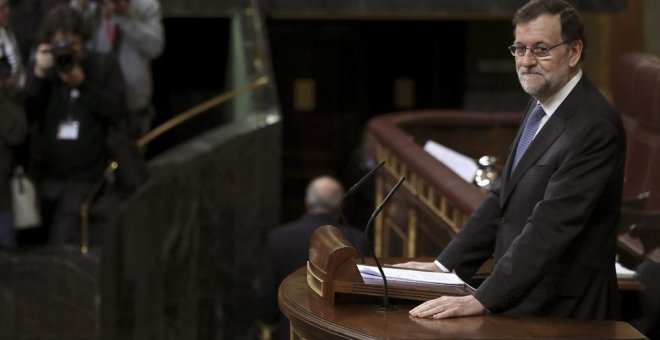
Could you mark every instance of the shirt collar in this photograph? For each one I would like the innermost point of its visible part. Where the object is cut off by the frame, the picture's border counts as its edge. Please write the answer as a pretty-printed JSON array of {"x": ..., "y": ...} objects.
[{"x": 555, "y": 100}]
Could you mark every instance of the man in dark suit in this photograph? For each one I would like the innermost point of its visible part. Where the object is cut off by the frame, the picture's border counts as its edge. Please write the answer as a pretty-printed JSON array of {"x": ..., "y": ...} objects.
[
  {"x": 550, "y": 224},
  {"x": 287, "y": 247}
]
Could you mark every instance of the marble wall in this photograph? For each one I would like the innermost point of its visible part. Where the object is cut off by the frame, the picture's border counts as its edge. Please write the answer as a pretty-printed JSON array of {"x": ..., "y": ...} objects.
[{"x": 50, "y": 293}]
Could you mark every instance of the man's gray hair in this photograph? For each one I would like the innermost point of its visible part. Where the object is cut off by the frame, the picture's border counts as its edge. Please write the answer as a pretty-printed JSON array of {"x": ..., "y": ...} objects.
[{"x": 324, "y": 199}]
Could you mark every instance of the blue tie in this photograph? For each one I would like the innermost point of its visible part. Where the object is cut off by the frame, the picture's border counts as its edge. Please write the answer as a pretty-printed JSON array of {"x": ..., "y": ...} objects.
[{"x": 528, "y": 133}]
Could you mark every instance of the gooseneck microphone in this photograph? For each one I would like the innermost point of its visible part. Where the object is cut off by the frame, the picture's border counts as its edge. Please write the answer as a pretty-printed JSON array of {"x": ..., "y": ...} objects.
[
  {"x": 350, "y": 192},
  {"x": 359, "y": 183},
  {"x": 386, "y": 306}
]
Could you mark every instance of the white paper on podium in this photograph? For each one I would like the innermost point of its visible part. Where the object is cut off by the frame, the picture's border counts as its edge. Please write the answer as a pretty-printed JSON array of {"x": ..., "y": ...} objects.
[
  {"x": 410, "y": 275},
  {"x": 462, "y": 165},
  {"x": 621, "y": 271}
]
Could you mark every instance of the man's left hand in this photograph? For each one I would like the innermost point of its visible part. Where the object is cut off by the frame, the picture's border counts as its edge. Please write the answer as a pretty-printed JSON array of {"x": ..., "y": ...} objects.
[{"x": 449, "y": 307}]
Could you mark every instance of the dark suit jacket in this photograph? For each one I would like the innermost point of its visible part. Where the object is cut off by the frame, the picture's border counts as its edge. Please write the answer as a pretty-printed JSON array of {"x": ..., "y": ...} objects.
[
  {"x": 287, "y": 249},
  {"x": 551, "y": 224}
]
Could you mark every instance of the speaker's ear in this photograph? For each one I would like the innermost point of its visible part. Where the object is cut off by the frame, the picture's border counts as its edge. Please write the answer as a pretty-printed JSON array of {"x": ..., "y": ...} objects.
[{"x": 575, "y": 52}]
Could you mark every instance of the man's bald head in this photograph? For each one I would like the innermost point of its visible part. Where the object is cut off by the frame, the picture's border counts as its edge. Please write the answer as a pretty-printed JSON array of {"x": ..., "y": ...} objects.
[{"x": 324, "y": 195}]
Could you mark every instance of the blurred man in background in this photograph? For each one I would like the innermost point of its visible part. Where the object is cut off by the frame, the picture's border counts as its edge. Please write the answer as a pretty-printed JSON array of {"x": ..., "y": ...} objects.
[
  {"x": 132, "y": 30},
  {"x": 287, "y": 247}
]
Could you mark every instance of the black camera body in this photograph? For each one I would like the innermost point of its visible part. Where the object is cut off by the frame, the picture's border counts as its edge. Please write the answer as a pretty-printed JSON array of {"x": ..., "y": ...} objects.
[{"x": 64, "y": 56}]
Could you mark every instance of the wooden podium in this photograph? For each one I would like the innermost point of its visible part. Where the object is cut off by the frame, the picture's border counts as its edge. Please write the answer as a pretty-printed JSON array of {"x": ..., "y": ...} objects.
[
  {"x": 332, "y": 269},
  {"x": 308, "y": 297}
]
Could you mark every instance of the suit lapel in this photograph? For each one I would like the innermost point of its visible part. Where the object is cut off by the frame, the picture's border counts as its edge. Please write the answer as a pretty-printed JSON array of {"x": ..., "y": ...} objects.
[
  {"x": 551, "y": 130},
  {"x": 543, "y": 140}
]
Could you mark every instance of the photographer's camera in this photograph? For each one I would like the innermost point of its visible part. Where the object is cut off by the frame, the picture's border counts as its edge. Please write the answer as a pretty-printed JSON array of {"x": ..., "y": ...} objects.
[{"x": 64, "y": 56}]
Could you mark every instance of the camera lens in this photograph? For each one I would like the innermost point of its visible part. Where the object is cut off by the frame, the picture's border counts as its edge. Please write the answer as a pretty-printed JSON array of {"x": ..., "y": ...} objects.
[
  {"x": 64, "y": 56},
  {"x": 64, "y": 62}
]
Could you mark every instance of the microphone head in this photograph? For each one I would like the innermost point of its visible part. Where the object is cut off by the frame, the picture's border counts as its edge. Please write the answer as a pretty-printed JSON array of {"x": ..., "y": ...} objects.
[{"x": 364, "y": 178}]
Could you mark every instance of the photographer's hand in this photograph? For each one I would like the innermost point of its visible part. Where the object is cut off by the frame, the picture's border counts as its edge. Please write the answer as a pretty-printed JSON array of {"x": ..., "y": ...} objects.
[
  {"x": 74, "y": 77},
  {"x": 43, "y": 61}
]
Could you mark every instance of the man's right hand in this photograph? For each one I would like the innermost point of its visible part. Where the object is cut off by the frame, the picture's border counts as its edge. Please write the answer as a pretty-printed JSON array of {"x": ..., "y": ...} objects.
[
  {"x": 43, "y": 61},
  {"x": 429, "y": 266}
]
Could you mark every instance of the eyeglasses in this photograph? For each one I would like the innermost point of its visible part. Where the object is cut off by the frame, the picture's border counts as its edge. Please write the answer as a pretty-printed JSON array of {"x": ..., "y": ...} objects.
[{"x": 538, "y": 51}]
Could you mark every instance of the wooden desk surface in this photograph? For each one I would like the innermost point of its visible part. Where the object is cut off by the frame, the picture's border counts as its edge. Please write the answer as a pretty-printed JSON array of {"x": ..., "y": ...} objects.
[{"x": 360, "y": 320}]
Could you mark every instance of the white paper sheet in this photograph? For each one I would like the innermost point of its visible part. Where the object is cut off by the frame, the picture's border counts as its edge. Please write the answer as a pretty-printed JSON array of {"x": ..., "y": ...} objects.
[
  {"x": 461, "y": 164},
  {"x": 410, "y": 275},
  {"x": 621, "y": 271}
]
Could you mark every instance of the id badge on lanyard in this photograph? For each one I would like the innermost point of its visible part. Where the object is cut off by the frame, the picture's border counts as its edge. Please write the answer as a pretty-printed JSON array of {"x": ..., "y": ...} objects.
[{"x": 69, "y": 128}]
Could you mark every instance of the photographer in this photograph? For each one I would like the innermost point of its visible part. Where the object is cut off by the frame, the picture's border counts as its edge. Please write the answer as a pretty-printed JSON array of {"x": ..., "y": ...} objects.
[{"x": 74, "y": 96}]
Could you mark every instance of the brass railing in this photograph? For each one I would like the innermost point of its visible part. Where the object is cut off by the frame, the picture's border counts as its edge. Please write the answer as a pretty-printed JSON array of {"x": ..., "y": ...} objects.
[
  {"x": 149, "y": 137},
  {"x": 420, "y": 188}
]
